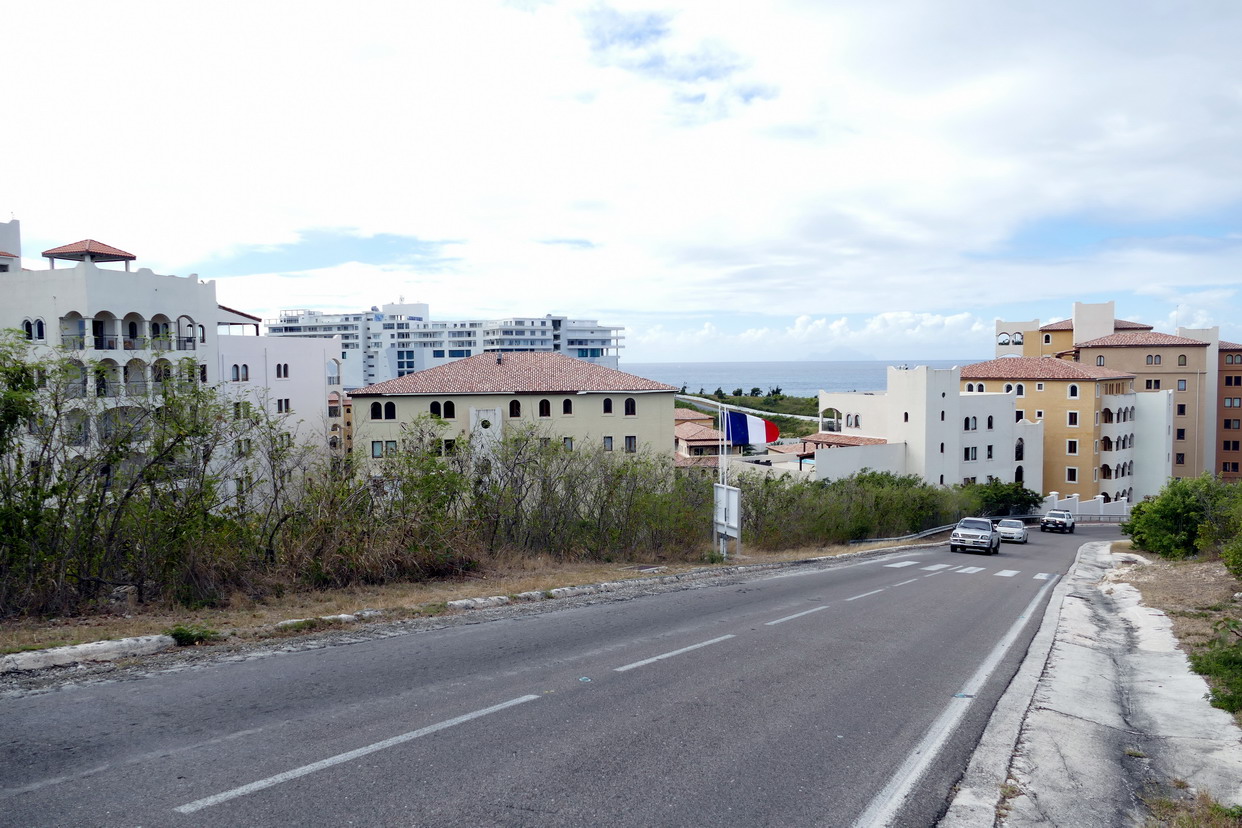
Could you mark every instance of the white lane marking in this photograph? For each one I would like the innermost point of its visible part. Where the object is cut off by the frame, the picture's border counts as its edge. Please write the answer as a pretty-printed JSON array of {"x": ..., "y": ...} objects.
[
  {"x": 889, "y": 801},
  {"x": 795, "y": 615},
  {"x": 1006, "y": 573},
  {"x": 1043, "y": 576},
  {"x": 903, "y": 583},
  {"x": 969, "y": 570},
  {"x": 901, "y": 564},
  {"x": 935, "y": 567},
  {"x": 865, "y": 594},
  {"x": 653, "y": 659},
  {"x": 207, "y": 802}
]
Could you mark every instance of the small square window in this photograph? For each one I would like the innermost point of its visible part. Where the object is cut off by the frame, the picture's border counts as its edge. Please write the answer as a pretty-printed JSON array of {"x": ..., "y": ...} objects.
[
  {"x": 1071, "y": 418},
  {"x": 631, "y": 444},
  {"x": 1071, "y": 475},
  {"x": 1181, "y": 434},
  {"x": 607, "y": 444},
  {"x": 1179, "y": 459},
  {"x": 1071, "y": 446},
  {"x": 1181, "y": 409}
]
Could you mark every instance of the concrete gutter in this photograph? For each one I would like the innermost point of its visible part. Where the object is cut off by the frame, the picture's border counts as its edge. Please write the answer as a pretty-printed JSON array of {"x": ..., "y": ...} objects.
[
  {"x": 1103, "y": 713},
  {"x": 95, "y": 651}
]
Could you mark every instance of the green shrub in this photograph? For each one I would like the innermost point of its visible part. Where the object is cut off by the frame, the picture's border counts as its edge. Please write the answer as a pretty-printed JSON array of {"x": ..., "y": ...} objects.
[{"x": 190, "y": 635}]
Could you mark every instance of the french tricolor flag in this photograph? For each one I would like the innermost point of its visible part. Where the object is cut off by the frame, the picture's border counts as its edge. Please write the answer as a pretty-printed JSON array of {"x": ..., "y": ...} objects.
[{"x": 746, "y": 429}]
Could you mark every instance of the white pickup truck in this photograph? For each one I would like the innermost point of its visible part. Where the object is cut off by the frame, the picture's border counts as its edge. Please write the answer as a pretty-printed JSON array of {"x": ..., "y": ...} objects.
[{"x": 1058, "y": 520}]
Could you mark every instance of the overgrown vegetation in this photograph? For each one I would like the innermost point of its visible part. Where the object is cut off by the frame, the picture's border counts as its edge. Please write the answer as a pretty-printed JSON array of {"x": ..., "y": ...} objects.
[
  {"x": 1221, "y": 661},
  {"x": 999, "y": 498},
  {"x": 182, "y": 494}
]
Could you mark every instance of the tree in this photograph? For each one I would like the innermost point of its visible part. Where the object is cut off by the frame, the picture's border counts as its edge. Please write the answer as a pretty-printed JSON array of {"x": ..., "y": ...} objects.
[
  {"x": 737, "y": 392},
  {"x": 1186, "y": 517},
  {"x": 756, "y": 391},
  {"x": 999, "y": 498}
]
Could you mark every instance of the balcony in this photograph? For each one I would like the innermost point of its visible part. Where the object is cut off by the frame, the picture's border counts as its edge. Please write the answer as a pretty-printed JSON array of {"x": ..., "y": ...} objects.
[
  {"x": 135, "y": 343},
  {"x": 185, "y": 343},
  {"x": 74, "y": 342},
  {"x": 334, "y": 380},
  {"x": 105, "y": 343}
]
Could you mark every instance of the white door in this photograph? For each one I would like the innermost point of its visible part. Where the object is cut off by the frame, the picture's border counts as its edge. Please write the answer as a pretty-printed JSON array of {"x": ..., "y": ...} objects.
[{"x": 485, "y": 426}]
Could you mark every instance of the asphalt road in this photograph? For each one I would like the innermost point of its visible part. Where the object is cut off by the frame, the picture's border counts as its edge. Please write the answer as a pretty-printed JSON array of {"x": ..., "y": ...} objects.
[{"x": 828, "y": 696}]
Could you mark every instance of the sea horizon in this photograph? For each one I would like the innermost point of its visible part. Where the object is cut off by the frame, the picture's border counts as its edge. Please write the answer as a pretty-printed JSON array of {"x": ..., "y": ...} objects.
[{"x": 801, "y": 378}]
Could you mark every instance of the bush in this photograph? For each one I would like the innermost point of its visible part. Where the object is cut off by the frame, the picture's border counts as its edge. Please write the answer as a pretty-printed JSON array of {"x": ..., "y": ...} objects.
[{"x": 190, "y": 635}]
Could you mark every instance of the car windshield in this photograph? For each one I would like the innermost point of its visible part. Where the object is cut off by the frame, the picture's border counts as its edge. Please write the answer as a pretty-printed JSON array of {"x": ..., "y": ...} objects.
[
  {"x": 1058, "y": 514},
  {"x": 978, "y": 525},
  {"x": 1011, "y": 524}
]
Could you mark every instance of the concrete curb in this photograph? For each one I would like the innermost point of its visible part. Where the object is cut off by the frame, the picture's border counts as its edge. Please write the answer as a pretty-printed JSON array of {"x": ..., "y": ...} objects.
[
  {"x": 95, "y": 651},
  {"x": 979, "y": 792}
]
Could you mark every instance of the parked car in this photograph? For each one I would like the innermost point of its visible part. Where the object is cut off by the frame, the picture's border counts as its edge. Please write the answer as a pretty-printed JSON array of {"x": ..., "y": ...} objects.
[
  {"x": 1012, "y": 530},
  {"x": 975, "y": 533},
  {"x": 1058, "y": 520}
]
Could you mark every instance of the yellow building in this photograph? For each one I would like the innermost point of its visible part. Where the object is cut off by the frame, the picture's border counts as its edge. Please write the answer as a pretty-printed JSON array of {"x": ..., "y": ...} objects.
[{"x": 1087, "y": 412}]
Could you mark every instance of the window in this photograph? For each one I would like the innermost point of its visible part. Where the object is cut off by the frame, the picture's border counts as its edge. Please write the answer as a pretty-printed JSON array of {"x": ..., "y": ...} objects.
[
  {"x": 989, "y": 422},
  {"x": 1231, "y": 445},
  {"x": 631, "y": 407},
  {"x": 1181, "y": 385},
  {"x": 569, "y": 444},
  {"x": 1071, "y": 418},
  {"x": 28, "y": 328},
  {"x": 1018, "y": 414},
  {"x": 1071, "y": 446},
  {"x": 1181, "y": 360},
  {"x": 1071, "y": 475},
  {"x": 237, "y": 411},
  {"x": 1047, "y": 339},
  {"x": 1181, "y": 434},
  {"x": 436, "y": 409},
  {"x": 437, "y": 353},
  {"x": 631, "y": 444},
  {"x": 970, "y": 387},
  {"x": 567, "y": 407},
  {"x": 390, "y": 447},
  {"x": 515, "y": 408},
  {"x": 1008, "y": 387},
  {"x": 989, "y": 452},
  {"x": 235, "y": 373},
  {"x": 390, "y": 411},
  {"x": 545, "y": 408},
  {"x": 1152, "y": 385},
  {"x": 450, "y": 410},
  {"x": 1229, "y": 467},
  {"x": 1179, "y": 459},
  {"x": 1073, "y": 391},
  {"x": 377, "y": 448},
  {"x": 377, "y": 411},
  {"x": 245, "y": 372},
  {"x": 607, "y": 405},
  {"x": 970, "y": 453},
  {"x": 1020, "y": 389},
  {"x": 202, "y": 372},
  {"x": 1181, "y": 409},
  {"x": 1232, "y": 424},
  {"x": 981, "y": 387},
  {"x": 280, "y": 371},
  {"x": 283, "y": 406},
  {"x": 942, "y": 448},
  {"x": 1099, "y": 360},
  {"x": 1039, "y": 414},
  {"x": 607, "y": 444}
]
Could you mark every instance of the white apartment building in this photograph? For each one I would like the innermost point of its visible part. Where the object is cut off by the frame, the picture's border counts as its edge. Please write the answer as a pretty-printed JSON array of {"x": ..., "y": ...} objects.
[
  {"x": 400, "y": 338},
  {"x": 924, "y": 425},
  {"x": 128, "y": 331}
]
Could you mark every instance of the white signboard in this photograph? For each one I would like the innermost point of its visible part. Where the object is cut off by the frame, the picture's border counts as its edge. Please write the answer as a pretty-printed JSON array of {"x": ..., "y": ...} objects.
[{"x": 728, "y": 510}]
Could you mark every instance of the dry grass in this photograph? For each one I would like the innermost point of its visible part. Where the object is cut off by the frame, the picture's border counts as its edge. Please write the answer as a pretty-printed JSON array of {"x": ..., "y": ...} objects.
[
  {"x": 1194, "y": 594},
  {"x": 1200, "y": 812},
  {"x": 247, "y": 618}
]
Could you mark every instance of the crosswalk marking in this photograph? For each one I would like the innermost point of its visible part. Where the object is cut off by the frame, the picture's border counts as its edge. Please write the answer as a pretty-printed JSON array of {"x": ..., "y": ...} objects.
[
  {"x": 900, "y": 564},
  {"x": 969, "y": 570},
  {"x": 1043, "y": 576},
  {"x": 1006, "y": 573},
  {"x": 935, "y": 567}
]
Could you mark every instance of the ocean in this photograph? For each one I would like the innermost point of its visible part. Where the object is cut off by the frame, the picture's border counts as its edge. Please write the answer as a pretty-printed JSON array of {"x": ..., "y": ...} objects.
[{"x": 795, "y": 379}]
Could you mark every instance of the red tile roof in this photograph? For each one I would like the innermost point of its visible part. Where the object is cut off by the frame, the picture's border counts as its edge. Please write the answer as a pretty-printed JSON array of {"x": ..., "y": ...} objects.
[
  {"x": 98, "y": 251},
  {"x": 690, "y": 415},
  {"x": 1037, "y": 368},
  {"x": 1229, "y": 346},
  {"x": 4, "y": 255},
  {"x": 1141, "y": 339},
  {"x": 1118, "y": 325},
  {"x": 521, "y": 372},
  {"x": 691, "y": 432},
  {"x": 832, "y": 439}
]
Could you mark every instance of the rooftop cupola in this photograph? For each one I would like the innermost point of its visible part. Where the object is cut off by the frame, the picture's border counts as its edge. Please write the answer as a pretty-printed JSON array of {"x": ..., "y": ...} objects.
[{"x": 87, "y": 250}]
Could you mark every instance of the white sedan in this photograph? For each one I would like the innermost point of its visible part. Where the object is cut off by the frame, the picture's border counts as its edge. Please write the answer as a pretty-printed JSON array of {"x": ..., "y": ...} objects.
[{"x": 1012, "y": 530}]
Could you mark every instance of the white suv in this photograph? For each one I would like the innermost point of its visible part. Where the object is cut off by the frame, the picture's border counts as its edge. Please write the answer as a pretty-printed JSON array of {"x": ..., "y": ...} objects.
[{"x": 975, "y": 533}]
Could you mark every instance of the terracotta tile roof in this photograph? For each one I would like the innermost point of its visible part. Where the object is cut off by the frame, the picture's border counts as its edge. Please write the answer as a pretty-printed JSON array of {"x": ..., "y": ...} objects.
[
  {"x": 1229, "y": 346},
  {"x": 520, "y": 372},
  {"x": 696, "y": 433},
  {"x": 239, "y": 313},
  {"x": 1118, "y": 325},
  {"x": 97, "y": 250},
  {"x": 1037, "y": 368},
  {"x": 832, "y": 439},
  {"x": 704, "y": 461},
  {"x": 1141, "y": 339},
  {"x": 690, "y": 415},
  {"x": 4, "y": 255}
]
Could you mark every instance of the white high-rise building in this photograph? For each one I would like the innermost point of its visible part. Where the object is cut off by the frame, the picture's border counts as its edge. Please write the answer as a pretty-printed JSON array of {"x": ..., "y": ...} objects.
[{"x": 400, "y": 338}]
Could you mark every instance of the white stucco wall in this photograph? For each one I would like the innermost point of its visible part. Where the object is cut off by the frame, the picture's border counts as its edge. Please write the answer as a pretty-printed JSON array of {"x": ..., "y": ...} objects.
[{"x": 1153, "y": 442}]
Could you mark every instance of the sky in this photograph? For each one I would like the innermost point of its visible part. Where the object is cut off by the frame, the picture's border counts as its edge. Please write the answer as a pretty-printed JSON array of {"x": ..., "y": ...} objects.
[{"x": 793, "y": 179}]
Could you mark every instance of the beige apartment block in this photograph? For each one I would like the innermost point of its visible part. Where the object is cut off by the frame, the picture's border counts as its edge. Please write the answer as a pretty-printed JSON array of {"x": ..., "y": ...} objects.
[
  {"x": 579, "y": 404},
  {"x": 1088, "y": 414}
]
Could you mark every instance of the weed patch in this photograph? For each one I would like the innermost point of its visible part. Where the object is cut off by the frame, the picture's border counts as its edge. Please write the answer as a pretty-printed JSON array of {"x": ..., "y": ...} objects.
[{"x": 191, "y": 635}]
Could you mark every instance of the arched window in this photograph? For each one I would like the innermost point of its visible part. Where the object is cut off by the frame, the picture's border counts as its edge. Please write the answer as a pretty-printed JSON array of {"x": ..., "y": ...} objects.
[
  {"x": 245, "y": 372},
  {"x": 1099, "y": 360},
  {"x": 1181, "y": 360},
  {"x": 40, "y": 330},
  {"x": 1020, "y": 390},
  {"x": 849, "y": 420},
  {"x": 202, "y": 334},
  {"x": 1003, "y": 339},
  {"x": 607, "y": 405},
  {"x": 966, "y": 424},
  {"x": 1017, "y": 475},
  {"x": 390, "y": 411},
  {"x": 1019, "y": 449},
  {"x": 1157, "y": 359},
  {"x": 989, "y": 422},
  {"x": 235, "y": 374},
  {"x": 942, "y": 416},
  {"x": 1151, "y": 360},
  {"x": 942, "y": 448},
  {"x": 545, "y": 408},
  {"x": 28, "y": 328},
  {"x": 970, "y": 387},
  {"x": 1047, "y": 339},
  {"x": 450, "y": 410},
  {"x": 631, "y": 407},
  {"x": 857, "y": 421},
  {"x": 377, "y": 411},
  {"x": 515, "y": 408},
  {"x": 1008, "y": 387},
  {"x": 981, "y": 388},
  {"x": 905, "y": 418},
  {"x": 567, "y": 407},
  {"x": 1073, "y": 390},
  {"x": 436, "y": 410}
]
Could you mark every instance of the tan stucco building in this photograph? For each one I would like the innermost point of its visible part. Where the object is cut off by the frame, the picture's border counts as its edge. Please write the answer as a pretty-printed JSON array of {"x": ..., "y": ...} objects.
[{"x": 580, "y": 404}]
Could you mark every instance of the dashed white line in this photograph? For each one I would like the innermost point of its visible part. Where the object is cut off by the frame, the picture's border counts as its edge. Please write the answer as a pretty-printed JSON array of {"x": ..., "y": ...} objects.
[
  {"x": 795, "y": 615},
  {"x": 900, "y": 564},
  {"x": 903, "y": 583},
  {"x": 1006, "y": 573},
  {"x": 654, "y": 659},
  {"x": 969, "y": 570},
  {"x": 865, "y": 594},
  {"x": 207, "y": 802}
]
